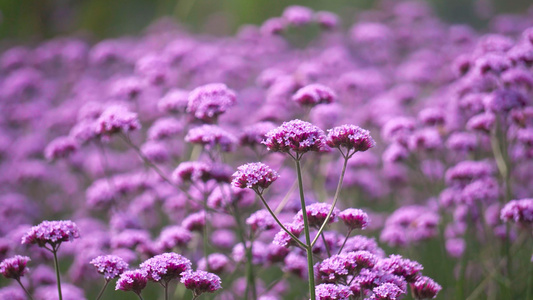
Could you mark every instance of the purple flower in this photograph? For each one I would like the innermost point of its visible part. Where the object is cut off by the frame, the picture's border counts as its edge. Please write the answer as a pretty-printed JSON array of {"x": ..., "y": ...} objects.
[
  {"x": 165, "y": 267},
  {"x": 462, "y": 141},
  {"x": 350, "y": 137},
  {"x": 216, "y": 263},
  {"x": 273, "y": 26},
  {"x": 201, "y": 282},
  {"x": 295, "y": 135},
  {"x": 314, "y": 94},
  {"x": 298, "y": 15},
  {"x": 195, "y": 222},
  {"x": 210, "y": 136},
  {"x": 255, "y": 176},
  {"x": 467, "y": 171},
  {"x": 283, "y": 239},
  {"x": 335, "y": 268},
  {"x": 481, "y": 122},
  {"x": 172, "y": 237},
  {"x": 134, "y": 280},
  {"x": 425, "y": 288},
  {"x": 51, "y": 232},
  {"x": 296, "y": 264},
  {"x": 326, "y": 19},
  {"x": 115, "y": 119},
  {"x": 12, "y": 293},
  {"x": 191, "y": 172},
  {"x": 397, "y": 265},
  {"x": 209, "y": 101},
  {"x": 253, "y": 135},
  {"x": 164, "y": 128},
  {"x": 328, "y": 291},
  {"x": 111, "y": 266},
  {"x": 174, "y": 101},
  {"x": 14, "y": 267},
  {"x": 261, "y": 220},
  {"x": 317, "y": 213},
  {"x": 156, "y": 152},
  {"x": 387, "y": 291},
  {"x": 519, "y": 211},
  {"x": 60, "y": 147}
]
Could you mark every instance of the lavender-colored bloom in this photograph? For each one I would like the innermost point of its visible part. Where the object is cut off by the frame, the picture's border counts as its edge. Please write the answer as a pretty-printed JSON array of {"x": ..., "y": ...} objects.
[
  {"x": 314, "y": 94},
  {"x": 165, "y": 267},
  {"x": 128, "y": 88},
  {"x": 201, "y": 282},
  {"x": 209, "y": 101},
  {"x": 519, "y": 211},
  {"x": 100, "y": 194},
  {"x": 210, "y": 136},
  {"x": 481, "y": 122},
  {"x": 174, "y": 101},
  {"x": 397, "y": 265},
  {"x": 335, "y": 268},
  {"x": 354, "y": 218},
  {"x": 259, "y": 252},
  {"x": 326, "y": 19},
  {"x": 317, "y": 213},
  {"x": 431, "y": 116},
  {"x": 425, "y": 288},
  {"x": 387, "y": 291},
  {"x": 261, "y": 220},
  {"x": 164, "y": 128},
  {"x": 51, "y": 232},
  {"x": 111, "y": 266},
  {"x": 298, "y": 15},
  {"x": 14, "y": 267},
  {"x": 462, "y": 141},
  {"x": 283, "y": 239},
  {"x": 116, "y": 119},
  {"x": 328, "y": 291},
  {"x": 466, "y": 171},
  {"x": 273, "y": 26},
  {"x": 295, "y": 263},
  {"x": 295, "y": 135},
  {"x": 60, "y": 147},
  {"x": 350, "y": 137},
  {"x": 195, "y": 222},
  {"x": 255, "y": 176},
  {"x": 398, "y": 130},
  {"x": 12, "y": 293},
  {"x": 155, "y": 152},
  {"x": 253, "y": 135},
  {"x": 172, "y": 237},
  {"x": 69, "y": 291},
  {"x": 216, "y": 263},
  {"x": 134, "y": 280},
  {"x": 192, "y": 171}
]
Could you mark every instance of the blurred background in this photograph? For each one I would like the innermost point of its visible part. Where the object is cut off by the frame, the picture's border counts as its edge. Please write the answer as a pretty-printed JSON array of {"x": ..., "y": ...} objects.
[{"x": 26, "y": 20}]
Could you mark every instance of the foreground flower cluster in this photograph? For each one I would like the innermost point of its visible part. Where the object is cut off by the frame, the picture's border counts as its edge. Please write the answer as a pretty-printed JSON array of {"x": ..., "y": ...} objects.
[{"x": 388, "y": 161}]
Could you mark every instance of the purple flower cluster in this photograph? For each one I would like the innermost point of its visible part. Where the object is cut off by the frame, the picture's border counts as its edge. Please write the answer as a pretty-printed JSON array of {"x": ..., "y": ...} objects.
[
  {"x": 111, "y": 266},
  {"x": 297, "y": 136},
  {"x": 255, "y": 176},
  {"x": 350, "y": 137},
  {"x": 201, "y": 282},
  {"x": 52, "y": 233},
  {"x": 165, "y": 267},
  {"x": 14, "y": 267},
  {"x": 207, "y": 102}
]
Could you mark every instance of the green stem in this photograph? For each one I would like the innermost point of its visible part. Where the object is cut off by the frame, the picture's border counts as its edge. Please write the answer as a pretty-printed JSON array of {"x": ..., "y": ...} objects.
[
  {"x": 25, "y": 290},
  {"x": 300, "y": 243},
  {"x": 335, "y": 198},
  {"x": 309, "y": 249},
  {"x": 102, "y": 290},
  {"x": 250, "y": 278},
  {"x": 56, "y": 265},
  {"x": 166, "y": 290},
  {"x": 345, "y": 240}
]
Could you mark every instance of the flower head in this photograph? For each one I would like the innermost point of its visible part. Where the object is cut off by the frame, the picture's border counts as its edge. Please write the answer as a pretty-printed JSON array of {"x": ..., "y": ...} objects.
[
  {"x": 314, "y": 94},
  {"x": 210, "y": 136},
  {"x": 425, "y": 288},
  {"x": 201, "y": 282},
  {"x": 256, "y": 176},
  {"x": 111, "y": 266},
  {"x": 60, "y": 147},
  {"x": 51, "y": 232},
  {"x": 14, "y": 267},
  {"x": 518, "y": 211},
  {"x": 295, "y": 135},
  {"x": 354, "y": 218},
  {"x": 115, "y": 119},
  {"x": 165, "y": 267},
  {"x": 350, "y": 137},
  {"x": 134, "y": 280},
  {"x": 329, "y": 291},
  {"x": 387, "y": 291},
  {"x": 209, "y": 101}
]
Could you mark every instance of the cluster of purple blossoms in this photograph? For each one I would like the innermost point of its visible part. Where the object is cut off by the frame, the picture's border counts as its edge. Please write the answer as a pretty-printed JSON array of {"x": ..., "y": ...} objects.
[
  {"x": 111, "y": 266},
  {"x": 297, "y": 136},
  {"x": 134, "y": 281},
  {"x": 255, "y": 176},
  {"x": 211, "y": 136},
  {"x": 314, "y": 94},
  {"x": 52, "y": 233},
  {"x": 350, "y": 137},
  {"x": 518, "y": 211},
  {"x": 165, "y": 267},
  {"x": 201, "y": 282},
  {"x": 115, "y": 119},
  {"x": 14, "y": 267},
  {"x": 207, "y": 102}
]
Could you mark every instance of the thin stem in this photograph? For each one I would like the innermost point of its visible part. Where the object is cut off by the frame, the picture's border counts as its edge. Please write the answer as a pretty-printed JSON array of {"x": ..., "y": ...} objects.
[
  {"x": 166, "y": 290},
  {"x": 25, "y": 290},
  {"x": 345, "y": 240},
  {"x": 310, "y": 264},
  {"x": 335, "y": 198},
  {"x": 325, "y": 244},
  {"x": 56, "y": 265},
  {"x": 250, "y": 278},
  {"x": 140, "y": 297},
  {"x": 303, "y": 245},
  {"x": 102, "y": 290}
]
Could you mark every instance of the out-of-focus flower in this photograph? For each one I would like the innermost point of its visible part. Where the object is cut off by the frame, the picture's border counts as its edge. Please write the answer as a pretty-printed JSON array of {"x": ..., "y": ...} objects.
[
  {"x": 14, "y": 267},
  {"x": 111, "y": 266}
]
